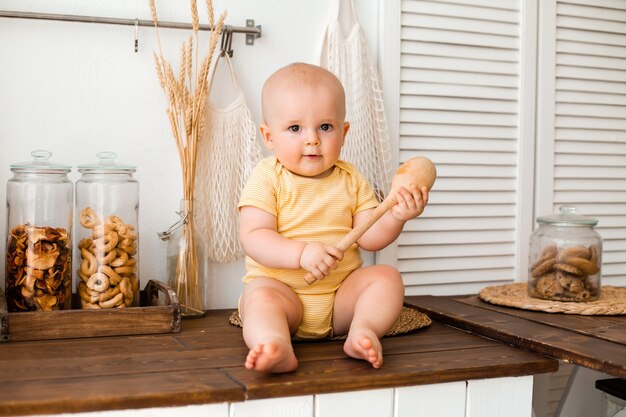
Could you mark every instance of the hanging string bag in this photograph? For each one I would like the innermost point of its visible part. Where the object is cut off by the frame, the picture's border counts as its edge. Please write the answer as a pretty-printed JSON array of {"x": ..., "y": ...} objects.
[
  {"x": 348, "y": 57},
  {"x": 226, "y": 155}
]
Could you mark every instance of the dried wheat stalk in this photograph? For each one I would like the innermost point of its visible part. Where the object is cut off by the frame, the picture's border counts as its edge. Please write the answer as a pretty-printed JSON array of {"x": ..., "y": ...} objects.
[{"x": 187, "y": 97}]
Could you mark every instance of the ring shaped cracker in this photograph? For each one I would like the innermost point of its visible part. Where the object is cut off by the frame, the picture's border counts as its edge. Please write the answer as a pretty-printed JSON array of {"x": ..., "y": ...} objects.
[
  {"x": 89, "y": 218},
  {"x": 98, "y": 282},
  {"x": 110, "y": 272},
  {"x": 108, "y": 294},
  {"x": 126, "y": 288},
  {"x": 89, "y": 264},
  {"x": 121, "y": 257},
  {"x": 107, "y": 242},
  {"x": 113, "y": 301}
]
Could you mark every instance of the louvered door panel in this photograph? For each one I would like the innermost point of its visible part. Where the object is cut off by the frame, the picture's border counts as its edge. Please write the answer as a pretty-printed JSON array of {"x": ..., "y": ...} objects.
[
  {"x": 459, "y": 106},
  {"x": 590, "y": 121}
]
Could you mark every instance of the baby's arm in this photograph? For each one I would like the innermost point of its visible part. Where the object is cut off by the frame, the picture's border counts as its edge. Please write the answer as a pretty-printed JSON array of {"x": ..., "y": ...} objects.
[
  {"x": 261, "y": 242},
  {"x": 411, "y": 203}
]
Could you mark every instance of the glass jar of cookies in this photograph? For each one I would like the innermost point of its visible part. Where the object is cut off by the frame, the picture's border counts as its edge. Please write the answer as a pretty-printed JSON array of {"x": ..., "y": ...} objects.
[
  {"x": 107, "y": 206},
  {"x": 38, "y": 262},
  {"x": 565, "y": 257}
]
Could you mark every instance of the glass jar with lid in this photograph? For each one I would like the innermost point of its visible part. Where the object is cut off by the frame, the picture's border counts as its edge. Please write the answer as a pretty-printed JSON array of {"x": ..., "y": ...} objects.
[
  {"x": 107, "y": 205},
  {"x": 38, "y": 259},
  {"x": 565, "y": 258}
]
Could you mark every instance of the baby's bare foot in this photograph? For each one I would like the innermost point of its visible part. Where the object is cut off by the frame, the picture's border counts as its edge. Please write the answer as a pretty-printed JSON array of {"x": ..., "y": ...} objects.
[
  {"x": 272, "y": 357},
  {"x": 364, "y": 345}
]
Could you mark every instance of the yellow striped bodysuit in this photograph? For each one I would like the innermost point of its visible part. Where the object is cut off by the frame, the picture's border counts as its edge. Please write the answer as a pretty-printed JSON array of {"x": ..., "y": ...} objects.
[{"x": 309, "y": 210}]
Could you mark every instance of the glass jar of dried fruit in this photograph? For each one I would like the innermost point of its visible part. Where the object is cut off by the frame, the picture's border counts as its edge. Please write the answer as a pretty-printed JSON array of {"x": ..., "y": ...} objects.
[
  {"x": 565, "y": 258},
  {"x": 40, "y": 200},
  {"x": 107, "y": 205}
]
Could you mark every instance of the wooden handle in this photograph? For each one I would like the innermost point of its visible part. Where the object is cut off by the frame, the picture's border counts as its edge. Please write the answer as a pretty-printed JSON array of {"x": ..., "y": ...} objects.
[
  {"x": 355, "y": 234},
  {"x": 418, "y": 171},
  {"x": 151, "y": 294}
]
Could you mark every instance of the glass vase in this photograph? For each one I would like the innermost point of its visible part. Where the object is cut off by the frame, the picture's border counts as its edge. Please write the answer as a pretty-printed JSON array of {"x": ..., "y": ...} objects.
[{"x": 185, "y": 261}]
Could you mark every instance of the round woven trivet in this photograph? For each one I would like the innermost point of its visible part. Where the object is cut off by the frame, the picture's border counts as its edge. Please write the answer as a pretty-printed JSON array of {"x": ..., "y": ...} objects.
[
  {"x": 409, "y": 320},
  {"x": 612, "y": 301}
]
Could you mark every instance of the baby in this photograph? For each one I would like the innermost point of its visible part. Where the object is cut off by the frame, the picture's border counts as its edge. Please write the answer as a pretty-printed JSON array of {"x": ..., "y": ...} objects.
[{"x": 295, "y": 207}]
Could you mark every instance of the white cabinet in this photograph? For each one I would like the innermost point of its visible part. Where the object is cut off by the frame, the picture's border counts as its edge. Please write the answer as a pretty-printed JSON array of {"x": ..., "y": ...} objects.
[
  {"x": 510, "y": 396},
  {"x": 441, "y": 400}
]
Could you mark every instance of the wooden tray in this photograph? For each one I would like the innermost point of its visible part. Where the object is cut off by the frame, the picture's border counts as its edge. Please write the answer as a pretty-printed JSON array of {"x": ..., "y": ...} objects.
[{"x": 159, "y": 313}]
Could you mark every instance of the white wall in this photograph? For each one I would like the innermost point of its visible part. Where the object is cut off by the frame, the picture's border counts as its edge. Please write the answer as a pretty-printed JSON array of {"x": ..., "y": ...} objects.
[{"x": 77, "y": 88}]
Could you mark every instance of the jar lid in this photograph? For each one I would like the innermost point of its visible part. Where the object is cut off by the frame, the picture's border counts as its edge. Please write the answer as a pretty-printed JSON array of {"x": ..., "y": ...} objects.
[
  {"x": 106, "y": 164},
  {"x": 41, "y": 163},
  {"x": 566, "y": 217}
]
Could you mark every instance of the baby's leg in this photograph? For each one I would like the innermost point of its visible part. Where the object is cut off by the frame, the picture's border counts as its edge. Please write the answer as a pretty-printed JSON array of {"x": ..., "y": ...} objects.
[
  {"x": 367, "y": 304},
  {"x": 271, "y": 312}
]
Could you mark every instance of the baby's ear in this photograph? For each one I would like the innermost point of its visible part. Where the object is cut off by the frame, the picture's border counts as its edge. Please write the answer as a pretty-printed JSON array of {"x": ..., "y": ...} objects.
[
  {"x": 266, "y": 134},
  {"x": 346, "y": 127}
]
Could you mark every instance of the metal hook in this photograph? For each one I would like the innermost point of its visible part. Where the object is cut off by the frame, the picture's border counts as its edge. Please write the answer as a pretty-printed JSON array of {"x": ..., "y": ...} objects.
[
  {"x": 227, "y": 41},
  {"x": 136, "y": 35},
  {"x": 167, "y": 234},
  {"x": 223, "y": 40},
  {"x": 230, "y": 42}
]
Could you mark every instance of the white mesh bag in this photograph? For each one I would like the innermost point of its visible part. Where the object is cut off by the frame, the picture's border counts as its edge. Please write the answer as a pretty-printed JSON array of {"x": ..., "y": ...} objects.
[
  {"x": 348, "y": 57},
  {"x": 226, "y": 155}
]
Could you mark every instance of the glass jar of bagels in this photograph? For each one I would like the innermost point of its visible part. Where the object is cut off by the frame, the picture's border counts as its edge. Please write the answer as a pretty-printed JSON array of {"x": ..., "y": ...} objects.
[{"x": 107, "y": 205}]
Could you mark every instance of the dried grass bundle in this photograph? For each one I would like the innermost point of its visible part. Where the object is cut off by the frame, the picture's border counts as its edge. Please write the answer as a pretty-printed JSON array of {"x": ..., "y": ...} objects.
[{"x": 187, "y": 96}]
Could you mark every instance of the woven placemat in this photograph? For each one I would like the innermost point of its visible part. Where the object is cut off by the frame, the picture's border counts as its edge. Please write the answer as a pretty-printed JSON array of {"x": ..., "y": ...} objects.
[
  {"x": 612, "y": 301},
  {"x": 409, "y": 320}
]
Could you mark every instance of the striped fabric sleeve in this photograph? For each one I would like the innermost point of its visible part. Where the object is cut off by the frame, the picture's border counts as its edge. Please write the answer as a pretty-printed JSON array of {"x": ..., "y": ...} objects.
[
  {"x": 260, "y": 190},
  {"x": 365, "y": 196}
]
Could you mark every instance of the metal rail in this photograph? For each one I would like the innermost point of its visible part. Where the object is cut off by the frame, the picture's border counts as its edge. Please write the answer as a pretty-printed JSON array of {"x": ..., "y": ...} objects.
[{"x": 252, "y": 32}]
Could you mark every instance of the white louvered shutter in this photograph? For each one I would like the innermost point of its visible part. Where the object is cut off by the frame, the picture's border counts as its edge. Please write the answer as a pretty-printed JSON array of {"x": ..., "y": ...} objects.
[
  {"x": 582, "y": 120},
  {"x": 461, "y": 83}
]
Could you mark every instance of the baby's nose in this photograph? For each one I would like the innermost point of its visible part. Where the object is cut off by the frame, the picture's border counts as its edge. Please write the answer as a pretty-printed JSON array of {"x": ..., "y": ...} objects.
[{"x": 312, "y": 139}]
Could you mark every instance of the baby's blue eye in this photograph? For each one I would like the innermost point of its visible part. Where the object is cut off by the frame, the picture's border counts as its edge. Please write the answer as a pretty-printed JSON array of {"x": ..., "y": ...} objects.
[
  {"x": 326, "y": 127},
  {"x": 294, "y": 128}
]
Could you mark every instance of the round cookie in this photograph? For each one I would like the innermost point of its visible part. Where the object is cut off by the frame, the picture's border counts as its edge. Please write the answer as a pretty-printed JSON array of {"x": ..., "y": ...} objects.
[
  {"x": 542, "y": 268},
  {"x": 570, "y": 269}
]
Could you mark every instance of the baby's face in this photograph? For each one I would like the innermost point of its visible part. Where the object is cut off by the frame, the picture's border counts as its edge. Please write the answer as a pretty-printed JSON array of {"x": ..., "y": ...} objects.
[{"x": 305, "y": 128}]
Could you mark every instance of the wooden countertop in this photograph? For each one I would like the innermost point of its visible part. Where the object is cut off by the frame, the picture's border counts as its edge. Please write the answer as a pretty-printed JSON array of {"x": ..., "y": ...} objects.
[
  {"x": 204, "y": 363},
  {"x": 595, "y": 342}
]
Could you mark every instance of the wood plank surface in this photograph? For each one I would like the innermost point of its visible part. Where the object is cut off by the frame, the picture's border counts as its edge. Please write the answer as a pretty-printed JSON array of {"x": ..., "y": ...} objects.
[
  {"x": 93, "y": 347},
  {"x": 204, "y": 363},
  {"x": 117, "y": 392},
  {"x": 348, "y": 374},
  {"x": 562, "y": 343},
  {"x": 123, "y": 363},
  {"x": 610, "y": 328}
]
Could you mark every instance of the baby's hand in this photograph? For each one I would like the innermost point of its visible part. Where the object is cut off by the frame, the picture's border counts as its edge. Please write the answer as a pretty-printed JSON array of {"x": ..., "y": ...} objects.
[
  {"x": 411, "y": 203},
  {"x": 320, "y": 259}
]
